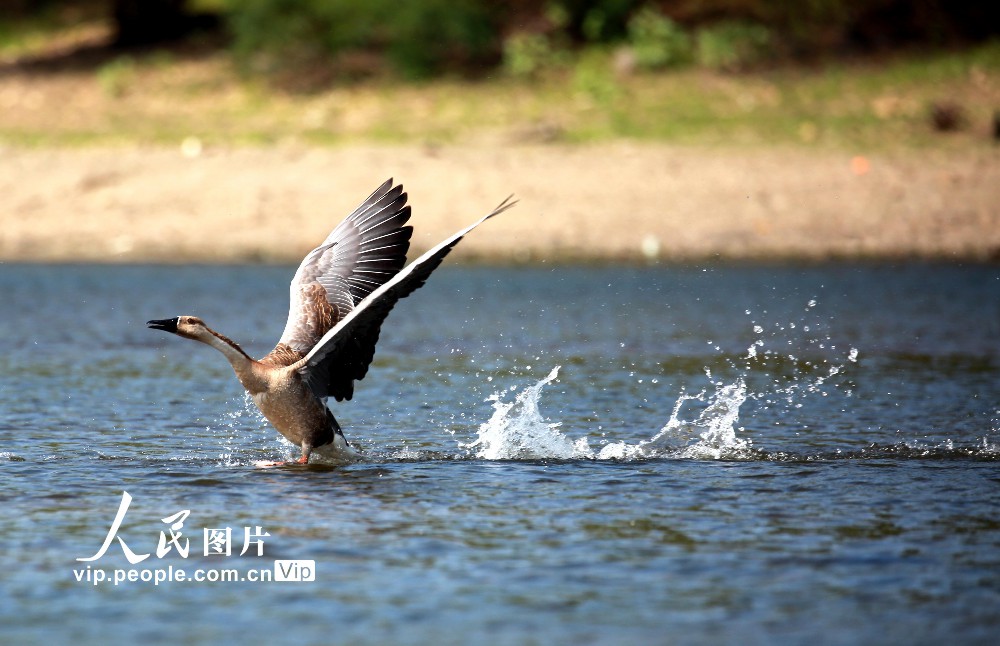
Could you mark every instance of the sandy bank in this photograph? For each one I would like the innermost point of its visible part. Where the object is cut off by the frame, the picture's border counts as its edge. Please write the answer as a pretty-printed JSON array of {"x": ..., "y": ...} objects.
[{"x": 609, "y": 201}]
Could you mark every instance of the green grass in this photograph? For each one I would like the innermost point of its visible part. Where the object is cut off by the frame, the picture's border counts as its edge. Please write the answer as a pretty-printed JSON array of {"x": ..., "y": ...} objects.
[{"x": 160, "y": 98}]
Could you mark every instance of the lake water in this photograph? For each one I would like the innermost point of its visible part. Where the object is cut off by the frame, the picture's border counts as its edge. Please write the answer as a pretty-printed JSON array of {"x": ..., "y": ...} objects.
[{"x": 570, "y": 455}]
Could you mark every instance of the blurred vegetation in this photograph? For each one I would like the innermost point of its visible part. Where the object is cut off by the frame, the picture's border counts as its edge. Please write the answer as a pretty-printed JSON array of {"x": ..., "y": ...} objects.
[
  {"x": 813, "y": 72},
  {"x": 427, "y": 38},
  {"x": 657, "y": 41},
  {"x": 417, "y": 39}
]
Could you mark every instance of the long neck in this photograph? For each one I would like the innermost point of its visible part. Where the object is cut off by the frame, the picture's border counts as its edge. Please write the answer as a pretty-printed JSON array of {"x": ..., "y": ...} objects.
[{"x": 242, "y": 363}]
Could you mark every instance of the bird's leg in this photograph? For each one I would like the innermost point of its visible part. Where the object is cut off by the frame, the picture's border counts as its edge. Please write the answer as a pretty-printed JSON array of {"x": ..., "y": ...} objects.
[{"x": 306, "y": 451}]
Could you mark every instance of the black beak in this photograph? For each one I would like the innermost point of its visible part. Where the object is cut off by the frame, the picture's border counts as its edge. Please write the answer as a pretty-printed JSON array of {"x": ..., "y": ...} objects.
[{"x": 167, "y": 325}]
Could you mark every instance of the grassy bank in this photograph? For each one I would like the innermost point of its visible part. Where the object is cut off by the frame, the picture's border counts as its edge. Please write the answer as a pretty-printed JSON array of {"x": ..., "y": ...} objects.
[{"x": 62, "y": 89}]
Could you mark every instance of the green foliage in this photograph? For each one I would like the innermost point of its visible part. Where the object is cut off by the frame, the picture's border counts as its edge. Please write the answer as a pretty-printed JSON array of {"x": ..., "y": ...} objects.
[
  {"x": 732, "y": 45},
  {"x": 657, "y": 41},
  {"x": 595, "y": 21},
  {"x": 422, "y": 38},
  {"x": 298, "y": 29},
  {"x": 431, "y": 36},
  {"x": 418, "y": 38},
  {"x": 593, "y": 78},
  {"x": 527, "y": 55}
]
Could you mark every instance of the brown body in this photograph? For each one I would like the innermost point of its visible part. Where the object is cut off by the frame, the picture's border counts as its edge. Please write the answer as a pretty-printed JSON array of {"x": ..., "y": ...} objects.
[{"x": 274, "y": 383}]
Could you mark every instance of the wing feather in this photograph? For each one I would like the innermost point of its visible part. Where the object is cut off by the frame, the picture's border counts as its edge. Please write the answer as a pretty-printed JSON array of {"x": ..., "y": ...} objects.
[
  {"x": 363, "y": 252},
  {"x": 344, "y": 353}
]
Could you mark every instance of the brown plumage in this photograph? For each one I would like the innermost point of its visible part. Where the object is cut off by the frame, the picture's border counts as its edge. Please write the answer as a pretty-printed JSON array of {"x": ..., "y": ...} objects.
[{"x": 339, "y": 297}]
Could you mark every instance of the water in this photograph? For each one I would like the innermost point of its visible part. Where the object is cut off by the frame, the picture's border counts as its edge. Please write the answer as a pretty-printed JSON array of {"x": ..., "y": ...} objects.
[{"x": 722, "y": 454}]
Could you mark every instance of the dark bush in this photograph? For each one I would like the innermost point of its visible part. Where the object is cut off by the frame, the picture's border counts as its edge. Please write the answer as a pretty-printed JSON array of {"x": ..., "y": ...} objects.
[{"x": 418, "y": 38}]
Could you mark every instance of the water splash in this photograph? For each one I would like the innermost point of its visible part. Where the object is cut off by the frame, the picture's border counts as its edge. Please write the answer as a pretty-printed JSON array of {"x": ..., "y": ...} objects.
[
  {"x": 517, "y": 430},
  {"x": 784, "y": 364},
  {"x": 247, "y": 438},
  {"x": 712, "y": 435},
  {"x": 239, "y": 431},
  {"x": 787, "y": 362}
]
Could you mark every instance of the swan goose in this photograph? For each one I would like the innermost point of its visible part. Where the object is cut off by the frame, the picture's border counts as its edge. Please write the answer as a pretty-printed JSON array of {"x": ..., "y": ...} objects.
[{"x": 339, "y": 297}]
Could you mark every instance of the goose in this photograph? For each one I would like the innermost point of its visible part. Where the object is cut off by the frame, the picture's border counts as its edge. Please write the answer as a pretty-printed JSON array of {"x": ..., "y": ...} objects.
[{"x": 339, "y": 296}]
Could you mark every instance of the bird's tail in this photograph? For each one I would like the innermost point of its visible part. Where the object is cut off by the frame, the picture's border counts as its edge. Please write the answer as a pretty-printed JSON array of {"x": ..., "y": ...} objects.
[{"x": 335, "y": 430}]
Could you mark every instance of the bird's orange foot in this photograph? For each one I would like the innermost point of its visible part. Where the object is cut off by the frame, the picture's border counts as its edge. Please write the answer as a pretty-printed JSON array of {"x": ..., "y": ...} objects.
[{"x": 303, "y": 460}]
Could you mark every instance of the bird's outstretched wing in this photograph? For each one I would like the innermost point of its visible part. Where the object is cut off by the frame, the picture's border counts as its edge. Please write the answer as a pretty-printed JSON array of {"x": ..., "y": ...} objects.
[
  {"x": 364, "y": 251},
  {"x": 342, "y": 356}
]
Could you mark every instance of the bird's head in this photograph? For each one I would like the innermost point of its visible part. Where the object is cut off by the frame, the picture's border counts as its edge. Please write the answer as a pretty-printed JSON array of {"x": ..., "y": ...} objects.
[{"x": 190, "y": 327}]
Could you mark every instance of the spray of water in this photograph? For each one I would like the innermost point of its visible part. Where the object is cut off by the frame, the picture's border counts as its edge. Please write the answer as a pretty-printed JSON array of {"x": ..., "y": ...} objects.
[
  {"x": 715, "y": 427},
  {"x": 517, "y": 430},
  {"x": 238, "y": 432}
]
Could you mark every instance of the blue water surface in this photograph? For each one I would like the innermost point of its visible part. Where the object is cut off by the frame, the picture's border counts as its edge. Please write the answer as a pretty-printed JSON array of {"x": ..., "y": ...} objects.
[{"x": 825, "y": 467}]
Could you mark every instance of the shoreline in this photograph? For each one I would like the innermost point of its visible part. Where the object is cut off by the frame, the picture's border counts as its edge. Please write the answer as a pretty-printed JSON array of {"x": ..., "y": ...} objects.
[{"x": 609, "y": 202}]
